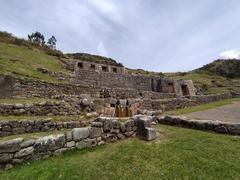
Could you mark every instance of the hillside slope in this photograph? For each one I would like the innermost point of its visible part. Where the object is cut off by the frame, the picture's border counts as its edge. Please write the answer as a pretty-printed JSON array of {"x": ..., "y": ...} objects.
[
  {"x": 22, "y": 61},
  {"x": 227, "y": 68}
]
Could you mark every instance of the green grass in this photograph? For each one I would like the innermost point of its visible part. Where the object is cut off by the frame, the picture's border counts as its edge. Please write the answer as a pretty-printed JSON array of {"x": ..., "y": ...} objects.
[
  {"x": 177, "y": 154},
  {"x": 81, "y": 117},
  {"x": 17, "y": 60},
  {"x": 203, "y": 107},
  {"x": 28, "y": 136},
  {"x": 26, "y": 100}
]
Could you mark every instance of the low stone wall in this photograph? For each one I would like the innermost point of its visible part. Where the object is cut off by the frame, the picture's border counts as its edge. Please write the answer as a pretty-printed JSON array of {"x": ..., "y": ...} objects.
[
  {"x": 102, "y": 131},
  {"x": 209, "y": 125},
  {"x": 202, "y": 99},
  {"x": 65, "y": 107},
  {"x": 13, "y": 127},
  {"x": 183, "y": 102}
]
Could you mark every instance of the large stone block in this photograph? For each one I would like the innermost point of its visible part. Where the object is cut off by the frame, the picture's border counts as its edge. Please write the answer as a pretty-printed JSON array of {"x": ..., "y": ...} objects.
[
  {"x": 151, "y": 134},
  {"x": 11, "y": 145},
  {"x": 24, "y": 152},
  {"x": 86, "y": 143},
  {"x": 5, "y": 157},
  {"x": 142, "y": 124},
  {"x": 129, "y": 124},
  {"x": 80, "y": 133},
  {"x": 49, "y": 143},
  {"x": 234, "y": 129}
]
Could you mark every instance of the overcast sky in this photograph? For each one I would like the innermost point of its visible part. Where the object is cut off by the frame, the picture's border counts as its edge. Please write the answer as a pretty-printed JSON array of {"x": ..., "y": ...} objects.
[{"x": 158, "y": 35}]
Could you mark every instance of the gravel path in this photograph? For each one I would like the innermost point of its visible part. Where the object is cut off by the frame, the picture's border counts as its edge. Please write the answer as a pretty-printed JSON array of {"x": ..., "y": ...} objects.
[{"x": 227, "y": 113}]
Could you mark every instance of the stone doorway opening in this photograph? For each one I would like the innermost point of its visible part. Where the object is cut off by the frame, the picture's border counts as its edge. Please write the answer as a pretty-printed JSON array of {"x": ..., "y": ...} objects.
[
  {"x": 170, "y": 88},
  {"x": 122, "y": 109},
  {"x": 185, "y": 90}
]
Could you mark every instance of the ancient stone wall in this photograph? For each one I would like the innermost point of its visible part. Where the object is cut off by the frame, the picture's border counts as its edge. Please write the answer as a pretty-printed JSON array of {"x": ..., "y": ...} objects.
[
  {"x": 12, "y": 127},
  {"x": 103, "y": 130},
  {"x": 31, "y": 88},
  {"x": 99, "y": 77},
  {"x": 47, "y": 108},
  {"x": 107, "y": 106},
  {"x": 209, "y": 125}
]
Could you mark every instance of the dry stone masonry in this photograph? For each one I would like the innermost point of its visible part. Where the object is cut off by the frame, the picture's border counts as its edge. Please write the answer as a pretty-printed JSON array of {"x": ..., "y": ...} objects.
[{"x": 102, "y": 130}]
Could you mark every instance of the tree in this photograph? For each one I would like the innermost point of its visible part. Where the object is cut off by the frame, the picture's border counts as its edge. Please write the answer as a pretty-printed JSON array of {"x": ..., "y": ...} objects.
[
  {"x": 37, "y": 38},
  {"x": 51, "y": 43}
]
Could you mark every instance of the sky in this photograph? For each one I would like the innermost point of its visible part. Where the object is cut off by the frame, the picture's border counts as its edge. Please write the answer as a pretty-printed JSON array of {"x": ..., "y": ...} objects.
[{"x": 155, "y": 35}]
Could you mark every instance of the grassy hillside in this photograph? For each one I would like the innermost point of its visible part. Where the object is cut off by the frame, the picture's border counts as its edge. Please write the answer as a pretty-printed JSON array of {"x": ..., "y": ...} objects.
[
  {"x": 19, "y": 60},
  {"x": 178, "y": 153},
  {"x": 209, "y": 83},
  {"x": 228, "y": 68}
]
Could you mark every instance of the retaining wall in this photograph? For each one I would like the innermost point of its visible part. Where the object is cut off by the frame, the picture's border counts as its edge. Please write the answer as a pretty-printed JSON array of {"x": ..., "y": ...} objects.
[
  {"x": 12, "y": 127},
  {"x": 103, "y": 130},
  {"x": 209, "y": 125}
]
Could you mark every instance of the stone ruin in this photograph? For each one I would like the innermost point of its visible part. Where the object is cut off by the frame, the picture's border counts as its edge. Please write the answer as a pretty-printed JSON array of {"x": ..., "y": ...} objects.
[{"x": 106, "y": 94}]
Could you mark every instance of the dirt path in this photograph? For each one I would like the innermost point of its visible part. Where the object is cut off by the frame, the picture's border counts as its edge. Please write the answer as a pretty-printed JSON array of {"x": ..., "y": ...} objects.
[{"x": 227, "y": 113}]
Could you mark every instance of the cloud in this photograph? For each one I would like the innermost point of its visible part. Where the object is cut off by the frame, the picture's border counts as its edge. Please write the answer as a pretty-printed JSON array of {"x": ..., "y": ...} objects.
[
  {"x": 155, "y": 35},
  {"x": 230, "y": 54},
  {"x": 102, "y": 49}
]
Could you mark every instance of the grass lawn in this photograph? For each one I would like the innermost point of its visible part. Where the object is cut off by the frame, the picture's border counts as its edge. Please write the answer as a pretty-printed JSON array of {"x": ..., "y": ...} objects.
[
  {"x": 177, "y": 154},
  {"x": 54, "y": 118},
  {"x": 34, "y": 135},
  {"x": 202, "y": 107},
  {"x": 23, "y": 61},
  {"x": 26, "y": 100}
]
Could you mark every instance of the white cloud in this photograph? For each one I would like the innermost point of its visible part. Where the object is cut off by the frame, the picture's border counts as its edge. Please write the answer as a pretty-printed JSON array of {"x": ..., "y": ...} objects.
[
  {"x": 230, "y": 54},
  {"x": 102, "y": 49}
]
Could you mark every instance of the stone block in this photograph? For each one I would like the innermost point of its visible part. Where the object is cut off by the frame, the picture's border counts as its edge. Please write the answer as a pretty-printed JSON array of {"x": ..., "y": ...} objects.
[
  {"x": 69, "y": 136},
  {"x": 95, "y": 132},
  {"x": 60, "y": 151},
  {"x": 5, "y": 157},
  {"x": 70, "y": 144},
  {"x": 86, "y": 143},
  {"x": 24, "y": 152},
  {"x": 11, "y": 145},
  {"x": 129, "y": 125},
  {"x": 151, "y": 134},
  {"x": 97, "y": 124},
  {"x": 49, "y": 143},
  {"x": 233, "y": 129},
  {"x": 142, "y": 124},
  {"x": 80, "y": 133},
  {"x": 221, "y": 129}
]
